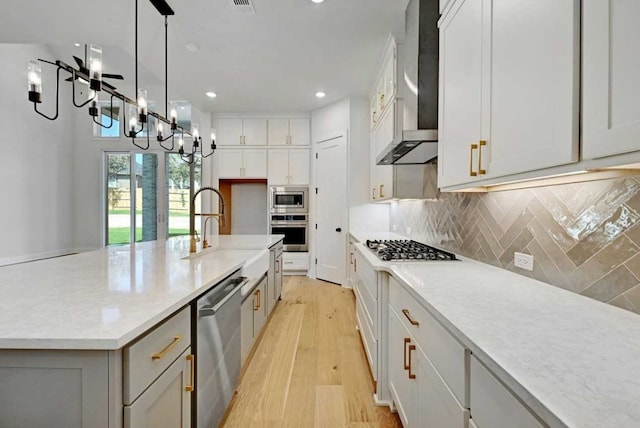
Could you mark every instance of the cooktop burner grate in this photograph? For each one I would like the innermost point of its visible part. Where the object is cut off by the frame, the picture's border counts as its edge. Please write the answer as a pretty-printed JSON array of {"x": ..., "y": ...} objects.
[{"x": 391, "y": 250}]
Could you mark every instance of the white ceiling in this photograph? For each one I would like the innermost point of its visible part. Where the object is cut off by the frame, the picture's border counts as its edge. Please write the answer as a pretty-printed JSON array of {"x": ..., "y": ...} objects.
[{"x": 273, "y": 61}]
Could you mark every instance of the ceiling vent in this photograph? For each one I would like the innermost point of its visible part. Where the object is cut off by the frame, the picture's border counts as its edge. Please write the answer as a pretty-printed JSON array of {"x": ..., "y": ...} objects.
[{"x": 242, "y": 6}]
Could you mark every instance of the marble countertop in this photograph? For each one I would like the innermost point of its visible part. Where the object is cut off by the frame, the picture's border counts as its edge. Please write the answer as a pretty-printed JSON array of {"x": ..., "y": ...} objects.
[
  {"x": 573, "y": 360},
  {"x": 104, "y": 299}
]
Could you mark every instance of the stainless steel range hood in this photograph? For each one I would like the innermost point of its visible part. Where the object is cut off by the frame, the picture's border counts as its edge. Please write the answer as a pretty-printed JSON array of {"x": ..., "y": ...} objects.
[{"x": 417, "y": 82}]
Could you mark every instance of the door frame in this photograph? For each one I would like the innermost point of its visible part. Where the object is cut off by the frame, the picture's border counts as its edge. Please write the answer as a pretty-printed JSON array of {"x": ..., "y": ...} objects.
[{"x": 313, "y": 205}]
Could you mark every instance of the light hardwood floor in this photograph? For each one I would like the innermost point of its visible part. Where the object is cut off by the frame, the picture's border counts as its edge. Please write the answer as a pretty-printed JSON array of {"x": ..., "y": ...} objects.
[{"x": 309, "y": 368}]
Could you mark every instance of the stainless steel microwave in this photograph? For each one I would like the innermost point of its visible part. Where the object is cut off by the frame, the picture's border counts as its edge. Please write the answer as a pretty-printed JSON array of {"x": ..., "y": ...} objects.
[{"x": 289, "y": 199}]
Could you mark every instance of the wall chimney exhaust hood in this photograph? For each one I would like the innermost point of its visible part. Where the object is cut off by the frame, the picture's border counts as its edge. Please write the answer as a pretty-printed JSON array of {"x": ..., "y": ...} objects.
[{"x": 417, "y": 72}]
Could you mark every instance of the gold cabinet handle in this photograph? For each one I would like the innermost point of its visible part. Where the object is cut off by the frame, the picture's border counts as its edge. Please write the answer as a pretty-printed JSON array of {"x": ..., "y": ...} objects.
[
  {"x": 351, "y": 258},
  {"x": 404, "y": 359},
  {"x": 192, "y": 359},
  {"x": 256, "y": 306},
  {"x": 408, "y": 315},
  {"x": 277, "y": 266},
  {"x": 373, "y": 193},
  {"x": 480, "y": 170},
  {"x": 411, "y": 348},
  {"x": 472, "y": 173},
  {"x": 382, "y": 190},
  {"x": 165, "y": 351},
  {"x": 259, "y": 300}
]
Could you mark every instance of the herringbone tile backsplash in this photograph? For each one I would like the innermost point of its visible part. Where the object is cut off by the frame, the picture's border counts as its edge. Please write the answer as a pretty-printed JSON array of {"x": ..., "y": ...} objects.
[{"x": 584, "y": 237}]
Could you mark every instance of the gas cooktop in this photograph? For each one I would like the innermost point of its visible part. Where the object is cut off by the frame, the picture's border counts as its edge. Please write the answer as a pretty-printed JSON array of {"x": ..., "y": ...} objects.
[{"x": 402, "y": 250}]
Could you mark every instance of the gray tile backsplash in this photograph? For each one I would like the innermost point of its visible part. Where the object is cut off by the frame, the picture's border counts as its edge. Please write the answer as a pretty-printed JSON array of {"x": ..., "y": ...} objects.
[{"x": 584, "y": 237}]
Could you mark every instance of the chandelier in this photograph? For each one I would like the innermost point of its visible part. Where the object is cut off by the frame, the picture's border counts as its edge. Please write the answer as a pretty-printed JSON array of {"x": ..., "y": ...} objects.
[{"x": 89, "y": 72}]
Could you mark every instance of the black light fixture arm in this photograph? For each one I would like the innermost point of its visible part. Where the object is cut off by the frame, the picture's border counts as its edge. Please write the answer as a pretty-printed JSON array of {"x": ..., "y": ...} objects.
[
  {"x": 73, "y": 92},
  {"x": 35, "y": 104},
  {"x": 110, "y": 117}
]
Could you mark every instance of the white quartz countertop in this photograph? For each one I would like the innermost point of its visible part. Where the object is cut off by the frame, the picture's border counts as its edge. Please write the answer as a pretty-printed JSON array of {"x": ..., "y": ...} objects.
[
  {"x": 573, "y": 360},
  {"x": 104, "y": 299}
]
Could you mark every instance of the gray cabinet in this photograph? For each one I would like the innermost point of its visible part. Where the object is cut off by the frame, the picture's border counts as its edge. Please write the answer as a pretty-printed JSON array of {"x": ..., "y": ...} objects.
[{"x": 167, "y": 402}]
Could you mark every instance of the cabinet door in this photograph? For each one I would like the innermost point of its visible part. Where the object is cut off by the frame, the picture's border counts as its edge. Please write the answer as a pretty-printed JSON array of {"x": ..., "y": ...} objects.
[
  {"x": 460, "y": 95},
  {"x": 299, "y": 166},
  {"x": 278, "y": 132},
  {"x": 399, "y": 382},
  {"x": 228, "y": 131},
  {"x": 167, "y": 402},
  {"x": 611, "y": 94},
  {"x": 434, "y": 404},
  {"x": 255, "y": 163},
  {"x": 259, "y": 307},
  {"x": 278, "y": 169},
  {"x": 534, "y": 86},
  {"x": 299, "y": 132},
  {"x": 230, "y": 163},
  {"x": 390, "y": 76},
  {"x": 278, "y": 275},
  {"x": 246, "y": 328},
  {"x": 254, "y": 131}
]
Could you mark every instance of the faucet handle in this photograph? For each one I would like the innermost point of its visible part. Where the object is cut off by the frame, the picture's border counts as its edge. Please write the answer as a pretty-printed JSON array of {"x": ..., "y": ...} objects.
[{"x": 197, "y": 236}]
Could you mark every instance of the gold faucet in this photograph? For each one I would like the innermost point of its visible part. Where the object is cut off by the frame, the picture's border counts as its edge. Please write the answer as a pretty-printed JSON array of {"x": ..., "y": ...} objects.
[{"x": 193, "y": 214}]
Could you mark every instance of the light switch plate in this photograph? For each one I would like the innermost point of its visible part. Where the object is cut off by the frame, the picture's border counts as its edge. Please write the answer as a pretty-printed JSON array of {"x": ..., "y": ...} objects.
[
  {"x": 408, "y": 231},
  {"x": 395, "y": 228},
  {"x": 523, "y": 261}
]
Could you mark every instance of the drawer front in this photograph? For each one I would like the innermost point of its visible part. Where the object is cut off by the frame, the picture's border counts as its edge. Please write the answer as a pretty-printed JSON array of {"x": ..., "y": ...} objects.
[
  {"x": 295, "y": 261},
  {"x": 370, "y": 343},
  {"x": 146, "y": 359},
  {"x": 493, "y": 405},
  {"x": 370, "y": 307},
  {"x": 435, "y": 404},
  {"x": 448, "y": 356},
  {"x": 367, "y": 275}
]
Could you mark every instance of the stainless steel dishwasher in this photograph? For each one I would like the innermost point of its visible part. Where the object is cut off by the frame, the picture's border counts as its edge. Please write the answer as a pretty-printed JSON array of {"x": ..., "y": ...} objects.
[{"x": 217, "y": 339}]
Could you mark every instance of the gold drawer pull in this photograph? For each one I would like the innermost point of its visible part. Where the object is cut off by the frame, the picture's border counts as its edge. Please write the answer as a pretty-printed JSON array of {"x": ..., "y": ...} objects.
[
  {"x": 480, "y": 170},
  {"x": 373, "y": 193},
  {"x": 472, "y": 173},
  {"x": 408, "y": 315},
  {"x": 404, "y": 359},
  {"x": 165, "y": 351},
  {"x": 382, "y": 190},
  {"x": 411, "y": 348},
  {"x": 192, "y": 359}
]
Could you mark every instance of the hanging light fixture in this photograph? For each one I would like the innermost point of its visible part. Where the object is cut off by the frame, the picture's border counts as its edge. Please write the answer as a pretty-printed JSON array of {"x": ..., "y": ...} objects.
[{"x": 90, "y": 72}]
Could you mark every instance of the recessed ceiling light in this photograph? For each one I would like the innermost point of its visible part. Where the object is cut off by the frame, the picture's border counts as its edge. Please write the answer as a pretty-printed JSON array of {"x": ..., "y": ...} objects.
[
  {"x": 212, "y": 94},
  {"x": 320, "y": 94},
  {"x": 317, "y": 1},
  {"x": 192, "y": 47},
  {"x": 76, "y": 45}
]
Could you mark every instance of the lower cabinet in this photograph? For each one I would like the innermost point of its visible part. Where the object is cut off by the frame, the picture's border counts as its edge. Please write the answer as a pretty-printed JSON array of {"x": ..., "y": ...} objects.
[
  {"x": 167, "y": 402},
  {"x": 493, "y": 405},
  {"x": 419, "y": 393},
  {"x": 295, "y": 263},
  {"x": 253, "y": 317}
]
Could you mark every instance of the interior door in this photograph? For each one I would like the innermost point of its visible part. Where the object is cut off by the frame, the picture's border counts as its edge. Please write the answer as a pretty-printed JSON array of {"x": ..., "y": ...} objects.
[{"x": 331, "y": 203}]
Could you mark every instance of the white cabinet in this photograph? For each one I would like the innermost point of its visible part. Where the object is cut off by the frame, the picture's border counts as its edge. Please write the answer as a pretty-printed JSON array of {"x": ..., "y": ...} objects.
[
  {"x": 259, "y": 298},
  {"x": 493, "y": 405},
  {"x": 381, "y": 176},
  {"x": 295, "y": 263},
  {"x": 611, "y": 69},
  {"x": 429, "y": 388},
  {"x": 366, "y": 292},
  {"x": 509, "y": 74},
  {"x": 246, "y": 327},
  {"x": 242, "y": 163},
  {"x": 295, "y": 131},
  {"x": 167, "y": 402},
  {"x": 383, "y": 92},
  {"x": 232, "y": 131},
  {"x": 289, "y": 166}
]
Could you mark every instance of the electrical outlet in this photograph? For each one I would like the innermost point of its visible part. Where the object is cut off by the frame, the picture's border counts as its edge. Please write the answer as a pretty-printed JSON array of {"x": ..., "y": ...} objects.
[
  {"x": 394, "y": 228},
  {"x": 408, "y": 231},
  {"x": 523, "y": 261}
]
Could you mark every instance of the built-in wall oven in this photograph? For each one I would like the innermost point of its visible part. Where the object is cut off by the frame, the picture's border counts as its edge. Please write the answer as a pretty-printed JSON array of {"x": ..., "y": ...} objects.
[
  {"x": 294, "y": 227},
  {"x": 289, "y": 199}
]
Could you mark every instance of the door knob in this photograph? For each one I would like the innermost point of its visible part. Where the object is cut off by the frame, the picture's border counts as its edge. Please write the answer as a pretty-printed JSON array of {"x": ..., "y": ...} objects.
[{"x": 339, "y": 229}]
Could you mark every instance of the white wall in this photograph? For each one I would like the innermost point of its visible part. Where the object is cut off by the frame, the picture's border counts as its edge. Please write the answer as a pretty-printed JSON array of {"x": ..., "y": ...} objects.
[
  {"x": 36, "y": 166},
  {"x": 249, "y": 209}
]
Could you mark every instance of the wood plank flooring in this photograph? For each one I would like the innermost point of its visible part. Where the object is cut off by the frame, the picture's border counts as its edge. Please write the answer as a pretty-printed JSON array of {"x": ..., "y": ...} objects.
[{"x": 309, "y": 369}]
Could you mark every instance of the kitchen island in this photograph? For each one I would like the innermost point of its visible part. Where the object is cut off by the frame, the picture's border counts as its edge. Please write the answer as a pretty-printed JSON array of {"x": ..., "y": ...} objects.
[{"x": 74, "y": 322}]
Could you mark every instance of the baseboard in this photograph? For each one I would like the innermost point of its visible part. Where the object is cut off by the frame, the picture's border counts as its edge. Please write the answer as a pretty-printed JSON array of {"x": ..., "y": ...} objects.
[{"x": 381, "y": 403}]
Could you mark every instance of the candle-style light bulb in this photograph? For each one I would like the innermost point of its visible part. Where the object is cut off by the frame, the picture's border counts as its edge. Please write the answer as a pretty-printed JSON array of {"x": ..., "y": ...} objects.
[
  {"x": 132, "y": 125},
  {"x": 213, "y": 136},
  {"x": 93, "y": 108},
  {"x": 160, "y": 129},
  {"x": 142, "y": 105},
  {"x": 34, "y": 81},
  {"x": 95, "y": 67},
  {"x": 181, "y": 146},
  {"x": 173, "y": 115}
]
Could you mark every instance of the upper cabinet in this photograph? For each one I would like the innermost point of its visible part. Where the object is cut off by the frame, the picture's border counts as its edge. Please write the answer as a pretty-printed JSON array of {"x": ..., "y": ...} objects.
[
  {"x": 384, "y": 90},
  {"x": 509, "y": 79},
  {"x": 289, "y": 167},
  {"x": 232, "y": 131},
  {"x": 611, "y": 70},
  {"x": 282, "y": 132},
  {"x": 242, "y": 163}
]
